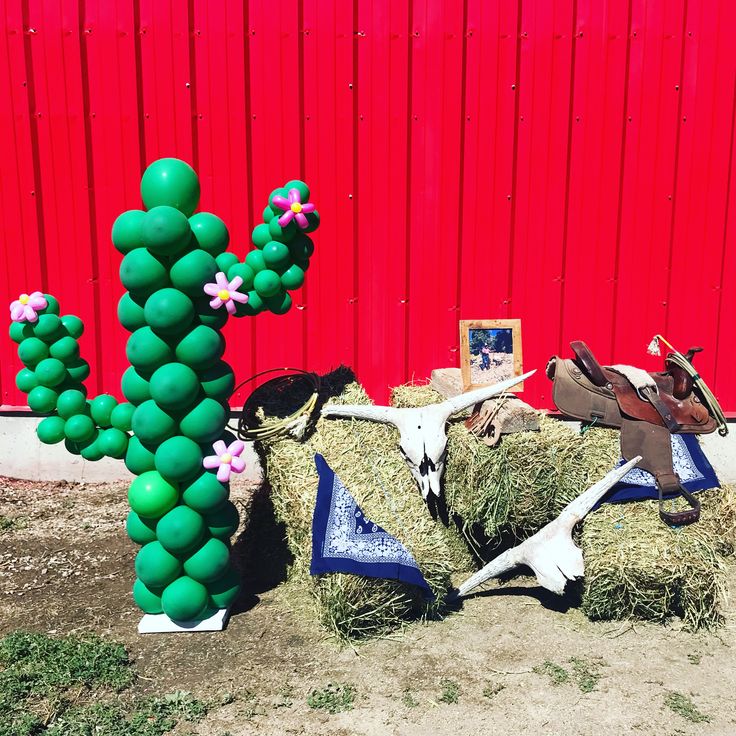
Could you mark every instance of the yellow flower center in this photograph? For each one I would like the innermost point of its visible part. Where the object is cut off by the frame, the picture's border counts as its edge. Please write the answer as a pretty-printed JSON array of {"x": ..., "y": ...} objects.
[
  {"x": 224, "y": 294},
  {"x": 226, "y": 458},
  {"x": 23, "y": 298},
  {"x": 296, "y": 208}
]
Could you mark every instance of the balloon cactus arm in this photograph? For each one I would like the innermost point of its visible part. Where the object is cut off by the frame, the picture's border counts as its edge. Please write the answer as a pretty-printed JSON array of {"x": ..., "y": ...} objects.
[{"x": 53, "y": 377}]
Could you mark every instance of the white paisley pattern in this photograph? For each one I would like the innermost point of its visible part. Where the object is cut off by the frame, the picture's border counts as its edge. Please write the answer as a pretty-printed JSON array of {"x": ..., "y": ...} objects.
[
  {"x": 350, "y": 535},
  {"x": 682, "y": 462}
]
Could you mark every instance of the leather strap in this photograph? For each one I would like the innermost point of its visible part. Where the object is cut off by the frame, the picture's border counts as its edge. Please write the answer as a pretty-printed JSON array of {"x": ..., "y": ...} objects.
[
  {"x": 652, "y": 442},
  {"x": 663, "y": 410},
  {"x": 587, "y": 362}
]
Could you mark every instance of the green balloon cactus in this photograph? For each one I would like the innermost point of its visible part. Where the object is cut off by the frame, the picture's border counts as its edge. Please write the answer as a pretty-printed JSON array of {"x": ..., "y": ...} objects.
[{"x": 182, "y": 284}]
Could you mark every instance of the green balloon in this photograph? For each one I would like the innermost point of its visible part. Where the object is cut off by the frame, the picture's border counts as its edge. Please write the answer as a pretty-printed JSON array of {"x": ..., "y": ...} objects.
[
  {"x": 78, "y": 369},
  {"x": 172, "y": 182},
  {"x": 225, "y": 261},
  {"x": 261, "y": 234},
  {"x": 52, "y": 305},
  {"x": 70, "y": 403},
  {"x": 301, "y": 248},
  {"x": 209, "y": 562},
  {"x": 165, "y": 231},
  {"x": 224, "y": 591},
  {"x": 185, "y": 600},
  {"x": 155, "y": 566},
  {"x": 73, "y": 325},
  {"x": 181, "y": 530},
  {"x": 121, "y": 416},
  {"x": 205, "y": 422},
  {"x": 151, "y": 424},
  {"x": 26, "y": 380},
  {"x": 141, "y": 531},
  {"x": 254, "y": 306},
  {"x": 279, "y": 303},
  {"x": 93, "y": 451},
  {"x": 42, "y": 399},
  {"x": 223, "y": 523},
  {"x": 245, "y": 272},
  {"x": 135, "y": 387},
  {"x": 142, "y": 273},
  {"x": 214, "y": 318},
  {"x": 218, "y": 381},
  {"x": 65, "y": 349},
  {"x": 48, "y": 327},
  {"x": 151, "y": 496},
  {"x": 138, "y": 459},
  {"x": 276, "y": 256},
  {"x": 268, "y": 215},
  {"x": 149, "y": 601},
  {"x": 205, "y": 494},
  {"x": 19, "y": 331},
  {"x": 101, "y": 409},
  {"x": 146, "y": 351},
  {"x": 168, "y": 311},
  {"x": 50, "y": 371},
  {"x": 201, "y": 348},
  {"x": 79, "y": 428},
  {"x": 282, "y": 234},
  {"x": 313, "y": 220},
  {"x": 32, "y": 351},
  {"x": 174, "y": 386},
  {"x": 126, "y": 231},
  {"x": 130, "y": 314},
  {"x": 178, "y": 459},
  {"x": 113, "y": 442},
  {"x": 281, "y": 192},
  {"x": 73, "y": 447},
  {"x": 51, "y": 430},
  {"x": 192, "y": 271},
  {"x": 301, "y": 187},
  {"x": 292, "y": 278},
  {"x": 210, "y": 232},
  {"x": 267, "y": 283},
  {"x": 255, "y": 260}
]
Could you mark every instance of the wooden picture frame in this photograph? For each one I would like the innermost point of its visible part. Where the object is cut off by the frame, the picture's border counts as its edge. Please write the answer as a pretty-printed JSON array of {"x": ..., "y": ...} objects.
[{"x": 472, "y": 363}]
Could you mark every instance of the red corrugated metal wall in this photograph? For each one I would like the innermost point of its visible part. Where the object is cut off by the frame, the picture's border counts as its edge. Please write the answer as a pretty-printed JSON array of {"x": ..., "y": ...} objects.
[{"x": 564, "y": 161}]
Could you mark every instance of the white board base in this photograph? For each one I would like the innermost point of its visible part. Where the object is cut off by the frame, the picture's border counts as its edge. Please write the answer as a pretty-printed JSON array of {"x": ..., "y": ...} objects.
[{"x": 160, "y": 623}]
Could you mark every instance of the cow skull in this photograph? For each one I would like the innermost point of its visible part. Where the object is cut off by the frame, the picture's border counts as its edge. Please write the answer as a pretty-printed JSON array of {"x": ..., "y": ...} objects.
[
  {"x": 423, "y": 440},
  {"x": 551, "y": 553}
]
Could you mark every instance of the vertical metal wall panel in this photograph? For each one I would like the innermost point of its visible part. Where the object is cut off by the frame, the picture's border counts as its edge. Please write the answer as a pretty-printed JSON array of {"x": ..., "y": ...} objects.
[{"x": 567, "y": 162}]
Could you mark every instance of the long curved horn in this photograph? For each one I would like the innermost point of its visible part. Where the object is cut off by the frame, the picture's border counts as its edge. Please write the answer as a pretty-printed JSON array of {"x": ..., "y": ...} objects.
[
  {"x": 383, "y": 414},
  {"x": 463, "y": 401}
]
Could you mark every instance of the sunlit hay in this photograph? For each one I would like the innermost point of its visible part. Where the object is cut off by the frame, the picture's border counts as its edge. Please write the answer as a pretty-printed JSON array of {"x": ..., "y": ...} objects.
[
  {"x": 636, "y": 566},
  {"x": 365, "y": 457}
]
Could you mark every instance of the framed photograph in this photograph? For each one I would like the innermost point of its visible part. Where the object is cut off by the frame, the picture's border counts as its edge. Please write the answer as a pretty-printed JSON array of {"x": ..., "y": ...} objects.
[{"x": 490, "y": 351}]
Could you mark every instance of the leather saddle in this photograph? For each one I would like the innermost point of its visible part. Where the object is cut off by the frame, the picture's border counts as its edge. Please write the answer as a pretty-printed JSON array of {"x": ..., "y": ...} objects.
[{"x": 646, "y": 407}]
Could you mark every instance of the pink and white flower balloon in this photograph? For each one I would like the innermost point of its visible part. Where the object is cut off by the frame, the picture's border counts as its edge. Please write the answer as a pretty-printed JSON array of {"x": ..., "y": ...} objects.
[
  {"x": 227, "y": 459},
  {"x": 225, "y": 292},
  {"x": 294, "y": 209},
  {"x": 26, "y": 306}
]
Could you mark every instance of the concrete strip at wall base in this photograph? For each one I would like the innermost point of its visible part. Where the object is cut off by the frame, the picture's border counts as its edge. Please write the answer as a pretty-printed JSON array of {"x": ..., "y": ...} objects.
[{"x": 23, "y": 456}]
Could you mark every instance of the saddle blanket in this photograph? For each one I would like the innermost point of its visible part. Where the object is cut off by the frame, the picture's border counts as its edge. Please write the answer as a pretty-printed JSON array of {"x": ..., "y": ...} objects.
[
  {"x": 344, "y": 540},
  {"x": 689, "y": 462}
]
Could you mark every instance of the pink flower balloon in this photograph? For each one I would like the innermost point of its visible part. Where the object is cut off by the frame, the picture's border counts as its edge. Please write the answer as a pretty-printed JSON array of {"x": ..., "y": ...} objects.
[
  {"x": 294, "y": 209},
  {"x": 225, "y": 292},
  {"x": 24, "y": 308},
  {"x": 227, "y": 459}
]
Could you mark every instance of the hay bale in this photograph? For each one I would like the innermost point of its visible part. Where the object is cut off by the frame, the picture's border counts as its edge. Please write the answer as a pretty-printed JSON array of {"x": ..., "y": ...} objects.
[
  {"x": 364, "y": 456},
  {"x": 636, "y": 567}
]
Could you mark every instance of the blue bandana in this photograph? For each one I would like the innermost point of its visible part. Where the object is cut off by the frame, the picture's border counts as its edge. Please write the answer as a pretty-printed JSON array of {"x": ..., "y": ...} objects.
[
  {"x": 689, "y": 462},
  {"x": 344, "y": 540}
]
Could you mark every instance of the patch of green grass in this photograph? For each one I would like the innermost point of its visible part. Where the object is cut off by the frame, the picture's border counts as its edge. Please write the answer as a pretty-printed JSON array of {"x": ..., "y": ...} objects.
[
  {"x": 333, "y": 698},
  {"x": 450, "y": 692},
  {"x": 557, "y": 675},
  {"x": 683, "y": 706},
  {"x": 408, "y": 699},
  {"x": 492, "y": 689},
  {"x": 585, "y": 673},
  {"x": 72, "y": 686},
  {"x": 12, "y": 523}
]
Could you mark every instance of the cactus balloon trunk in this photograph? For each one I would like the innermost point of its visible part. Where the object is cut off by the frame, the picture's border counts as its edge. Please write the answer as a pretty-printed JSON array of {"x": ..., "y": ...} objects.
[{"x": 182, "y": 284}]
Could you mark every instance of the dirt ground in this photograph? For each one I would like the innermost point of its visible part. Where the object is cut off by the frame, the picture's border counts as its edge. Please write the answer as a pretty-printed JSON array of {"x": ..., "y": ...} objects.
[
  {"x": 66, "y": 566},
  {"x": 501, "y": 368}
]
